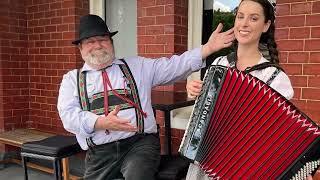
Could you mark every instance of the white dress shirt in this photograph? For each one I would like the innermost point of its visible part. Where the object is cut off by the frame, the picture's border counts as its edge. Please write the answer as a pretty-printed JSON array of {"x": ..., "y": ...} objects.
[{"x": 147, "y": 73}]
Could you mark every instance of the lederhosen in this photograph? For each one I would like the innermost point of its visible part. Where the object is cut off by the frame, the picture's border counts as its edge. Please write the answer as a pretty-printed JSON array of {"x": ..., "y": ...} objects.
[
  {"x": 95, "y": 104},
  {"x": 232, "y": 63}
]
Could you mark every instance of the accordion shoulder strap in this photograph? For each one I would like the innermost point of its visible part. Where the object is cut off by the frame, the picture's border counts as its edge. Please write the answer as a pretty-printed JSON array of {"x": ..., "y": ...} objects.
[
  {"x": 232, "y": 58},
  {"x": 263, "y": 66}
]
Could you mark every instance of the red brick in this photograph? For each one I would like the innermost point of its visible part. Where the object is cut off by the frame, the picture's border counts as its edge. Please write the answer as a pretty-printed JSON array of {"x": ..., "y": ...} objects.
[
  {"x": 283, "y": 9},
  {"x": 33, "y": 23},
  {"x": 169, "y": 9},
  {"x": 300, "y": 33},
  {"x": 169, "y": 29},
  {"x": 51, "y": 43},
  {"x": 40, "y": 44},
  {"x": 56, "y": 5},
  {"x": 146, "y": 3},
  {"x": 298, "y": 57},
  {"x": 288, "y": 1},
  {"x": 180, "y": 30},
  {"x": 50, "y": 28},
  {"x": 169, "y": 48},
  {"x": 313, "y": 105},
  {"x": 55, "y": 36},
  {"x": 283, "y": 57},
  {"x": 311, "y": 93},
  {"x": 146, "y": 21},
  {"x": 68, "y": 4},
  {"x": 300, "y": 104},
  {"x": 141, "y": 49},
  {"x": 33, "y": 9},
  {"x": 152, "y": 30},
  {"x": 147, "y": 40},
  {"x": 314, "y": 115},
  {"x": 50, "y": 14},
  {"x": 168, "y": 19},
  {"x": 315, "y": 57},
  {"x": 282, "y": 33},
  {"x": 290, "y": 21},
  {"x": 155, "y": 11},
  {"x": 316, "y": 7},
  {"x": 141, "y": 12},
  {"x": 312, "y": 45},
  {"x": 68, "y": 19},
  {"x": 313, "y": 20},
  {"x": 165, "y": 39},
  {"x": 301, "y": 8},
  {"x": 44, "y": 36},
  {"x": 299, "y": 81},
  {"x": 293, "y": 69},
  {"x": 57, "y": 20},
  {"x": 154, "y": 48},
  {"x": 68, "y": 35},
  {"x": 45, "y": 51},
  {"x": 314, "y": 81},
  {"x": 290, "y": 45},
  {"x": 315, "y": 32},
  {"x": 161, "y": 2},
  {"x": 311, "y": 69}
]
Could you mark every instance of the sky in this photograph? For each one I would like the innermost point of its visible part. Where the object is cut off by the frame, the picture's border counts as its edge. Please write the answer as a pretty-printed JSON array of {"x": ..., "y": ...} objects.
[{"x": 225, "y": 5}]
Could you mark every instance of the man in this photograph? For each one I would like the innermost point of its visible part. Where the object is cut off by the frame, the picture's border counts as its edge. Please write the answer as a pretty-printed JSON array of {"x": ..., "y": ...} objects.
[{"x": 107, "y": 103}]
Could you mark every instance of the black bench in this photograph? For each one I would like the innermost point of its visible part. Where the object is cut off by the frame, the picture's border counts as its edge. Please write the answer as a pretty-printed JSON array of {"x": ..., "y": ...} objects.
[{"x": 53, "y": 148}]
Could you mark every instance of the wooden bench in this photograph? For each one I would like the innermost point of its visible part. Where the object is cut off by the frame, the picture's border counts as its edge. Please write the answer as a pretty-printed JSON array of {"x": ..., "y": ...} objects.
[{"x": 19, "y": 136}]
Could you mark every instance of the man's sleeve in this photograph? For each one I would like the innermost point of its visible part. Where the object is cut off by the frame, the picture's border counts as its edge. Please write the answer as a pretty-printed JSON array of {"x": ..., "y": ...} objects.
[
  {"x": 168, "y": 70},
  {"x": 74, "y": 119}
]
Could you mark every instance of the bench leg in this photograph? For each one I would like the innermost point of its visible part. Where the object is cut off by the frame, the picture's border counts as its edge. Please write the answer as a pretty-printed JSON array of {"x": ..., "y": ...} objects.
[
  {"x": 65, "y": 166},
  {"x": 24, "y": 165},
  {"x": 57, "y": 169}
]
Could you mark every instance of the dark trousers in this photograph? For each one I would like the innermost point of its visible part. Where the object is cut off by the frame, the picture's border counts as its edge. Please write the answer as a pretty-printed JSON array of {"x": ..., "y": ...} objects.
[{"x": 134, "y": 158}]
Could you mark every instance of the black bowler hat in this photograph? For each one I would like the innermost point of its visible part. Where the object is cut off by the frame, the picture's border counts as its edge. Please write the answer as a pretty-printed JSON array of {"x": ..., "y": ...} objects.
[{"x": 92, "y": 25}]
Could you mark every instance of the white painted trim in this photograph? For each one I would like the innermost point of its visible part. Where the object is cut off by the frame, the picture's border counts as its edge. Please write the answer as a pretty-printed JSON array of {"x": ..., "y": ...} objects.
[{"x": 97, "y": 7}]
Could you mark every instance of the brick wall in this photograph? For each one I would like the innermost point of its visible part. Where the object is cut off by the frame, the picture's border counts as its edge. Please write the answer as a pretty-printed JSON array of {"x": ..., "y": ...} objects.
[
  {"x": 14, "y": 63},
  {"x": 51, "y": 28},
  {"x": 35, "y": 52},
  {"x": 162, "y": 31},
  {"x": 298, "y": 37}
]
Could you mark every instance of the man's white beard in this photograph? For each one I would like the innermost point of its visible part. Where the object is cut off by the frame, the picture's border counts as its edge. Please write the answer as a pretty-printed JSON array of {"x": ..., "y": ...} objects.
[{"x": 99, "y": 58}]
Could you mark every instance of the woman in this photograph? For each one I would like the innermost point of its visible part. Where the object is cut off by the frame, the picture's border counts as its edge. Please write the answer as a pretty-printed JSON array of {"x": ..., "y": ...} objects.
[{"x": 254, "y": 26}]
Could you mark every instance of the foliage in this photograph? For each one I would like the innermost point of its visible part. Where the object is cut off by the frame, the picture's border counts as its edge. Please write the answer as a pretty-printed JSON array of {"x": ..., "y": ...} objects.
[{"x": 227, "y": 19}]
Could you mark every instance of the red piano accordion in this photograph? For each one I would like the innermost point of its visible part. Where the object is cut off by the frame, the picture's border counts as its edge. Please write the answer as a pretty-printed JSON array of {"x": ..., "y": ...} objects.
[{"x": 240, "y": 128}]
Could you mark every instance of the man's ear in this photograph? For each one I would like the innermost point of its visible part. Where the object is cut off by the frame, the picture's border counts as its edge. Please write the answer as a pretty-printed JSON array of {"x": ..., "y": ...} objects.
[{"x": 266, "y": 26}]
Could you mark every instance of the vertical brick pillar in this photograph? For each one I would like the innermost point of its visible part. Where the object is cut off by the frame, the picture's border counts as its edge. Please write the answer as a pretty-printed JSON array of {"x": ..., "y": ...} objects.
[
  {"x": 51, "y": 29},
  {"x": 298, "y": 37},
  {"x": 14, "y": 87},
  {"x": 162, "y": 29}
]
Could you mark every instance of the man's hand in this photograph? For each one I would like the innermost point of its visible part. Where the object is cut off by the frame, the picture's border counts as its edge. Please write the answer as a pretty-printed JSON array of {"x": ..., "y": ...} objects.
[
  {"x": 113, "y": 123},
  {"x": 218, "y": 40}
]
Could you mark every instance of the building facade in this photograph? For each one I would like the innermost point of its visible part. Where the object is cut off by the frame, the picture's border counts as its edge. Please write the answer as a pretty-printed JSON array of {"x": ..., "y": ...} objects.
[{"x": 36, "y": 51}]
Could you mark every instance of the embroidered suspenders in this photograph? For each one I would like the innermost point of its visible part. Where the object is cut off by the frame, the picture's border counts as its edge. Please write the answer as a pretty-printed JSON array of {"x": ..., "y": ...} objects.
[
  {"x": 133, "y": 87},
  {"x": 96, "y": 103}
]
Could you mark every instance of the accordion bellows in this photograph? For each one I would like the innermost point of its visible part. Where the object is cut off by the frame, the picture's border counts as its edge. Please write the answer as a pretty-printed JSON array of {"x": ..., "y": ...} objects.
[{"x": 241, "y": 128}]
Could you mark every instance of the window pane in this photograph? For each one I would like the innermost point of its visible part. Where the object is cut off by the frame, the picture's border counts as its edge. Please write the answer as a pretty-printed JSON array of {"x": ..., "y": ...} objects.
[{"x": 121, "y": 15}]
